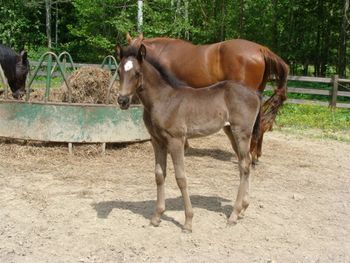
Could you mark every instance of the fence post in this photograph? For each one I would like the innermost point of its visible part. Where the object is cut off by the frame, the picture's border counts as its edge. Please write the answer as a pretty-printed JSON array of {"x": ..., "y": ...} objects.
[
  {"x": 48, "y": 78},
  {"x": 334, "y": 92}
]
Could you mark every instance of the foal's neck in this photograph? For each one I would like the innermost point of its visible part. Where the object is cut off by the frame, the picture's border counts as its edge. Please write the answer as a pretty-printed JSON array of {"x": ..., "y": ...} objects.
[{"x": 155, "y": 88}]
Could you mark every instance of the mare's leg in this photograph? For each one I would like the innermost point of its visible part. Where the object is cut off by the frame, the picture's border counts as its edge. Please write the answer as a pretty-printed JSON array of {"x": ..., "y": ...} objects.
[
  {"x": 254, "y": 148},
  {"x": 244, "y": 161},
  {"x": 160, "y": 153},
  {"x": 259, "y": 147},
  {"x": 228, "y": 131},
  {"x": 176, "y": 149}
]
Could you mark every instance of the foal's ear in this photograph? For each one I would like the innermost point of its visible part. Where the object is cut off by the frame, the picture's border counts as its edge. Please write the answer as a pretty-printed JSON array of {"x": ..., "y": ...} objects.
[
  {"x": 119, "y": 51},
  {"x": 142, "y": 53}
]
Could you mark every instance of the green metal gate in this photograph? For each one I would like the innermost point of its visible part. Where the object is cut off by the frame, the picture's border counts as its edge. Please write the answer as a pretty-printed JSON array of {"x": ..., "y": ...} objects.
[{"x": 69, "y": 122}]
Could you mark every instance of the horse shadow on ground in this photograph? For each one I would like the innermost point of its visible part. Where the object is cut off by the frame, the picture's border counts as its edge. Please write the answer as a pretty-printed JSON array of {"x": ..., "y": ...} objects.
[
  {"x": 214, "y": 153},
  {"x": 146, "y": 208}
]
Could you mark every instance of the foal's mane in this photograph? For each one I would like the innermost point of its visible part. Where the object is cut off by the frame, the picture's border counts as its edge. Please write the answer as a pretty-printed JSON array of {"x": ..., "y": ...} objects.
[{"x": 164, "y": 73}]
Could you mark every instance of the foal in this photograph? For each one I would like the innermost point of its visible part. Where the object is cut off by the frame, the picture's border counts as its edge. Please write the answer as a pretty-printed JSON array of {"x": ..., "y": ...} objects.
[{"x": 173, "y": 113}]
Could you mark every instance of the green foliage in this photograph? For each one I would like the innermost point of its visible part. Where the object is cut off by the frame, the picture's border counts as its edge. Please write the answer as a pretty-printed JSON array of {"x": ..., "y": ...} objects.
[
  {"x": 302, "y": 117},
  {"x": 303, "y": 32},
  {"x": 19, "y": 23}
]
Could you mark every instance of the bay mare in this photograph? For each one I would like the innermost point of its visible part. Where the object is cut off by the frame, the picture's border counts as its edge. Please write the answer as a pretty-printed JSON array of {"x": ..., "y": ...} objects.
[
  {"x": 239, "y": 60},
  {"x": 174, "y": 112}
]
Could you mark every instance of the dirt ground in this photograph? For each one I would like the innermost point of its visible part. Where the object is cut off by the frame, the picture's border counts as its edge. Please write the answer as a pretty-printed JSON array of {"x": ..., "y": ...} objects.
[{"x": 93, "y": 208}]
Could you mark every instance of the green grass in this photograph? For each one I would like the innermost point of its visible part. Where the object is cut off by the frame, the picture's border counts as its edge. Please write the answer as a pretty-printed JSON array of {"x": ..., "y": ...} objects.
[{"x": 317, "y": 121}]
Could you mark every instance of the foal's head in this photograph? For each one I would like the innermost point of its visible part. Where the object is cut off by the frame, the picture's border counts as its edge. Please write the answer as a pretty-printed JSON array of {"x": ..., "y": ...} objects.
[{"x": 130, "y": 73}]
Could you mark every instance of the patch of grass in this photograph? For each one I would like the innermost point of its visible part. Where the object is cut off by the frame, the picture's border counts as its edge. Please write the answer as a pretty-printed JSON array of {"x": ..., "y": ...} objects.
[{"x": 315, "y": 120}]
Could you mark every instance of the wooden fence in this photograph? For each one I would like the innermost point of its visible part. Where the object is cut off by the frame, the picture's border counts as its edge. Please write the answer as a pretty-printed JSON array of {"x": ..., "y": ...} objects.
[
  {"x": 333, "y": 92},
  {"x": 337, "y": 87}
]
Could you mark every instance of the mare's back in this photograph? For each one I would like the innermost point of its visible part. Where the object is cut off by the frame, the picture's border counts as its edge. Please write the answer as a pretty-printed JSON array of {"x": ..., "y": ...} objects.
[{"x": 8, "y": 61}]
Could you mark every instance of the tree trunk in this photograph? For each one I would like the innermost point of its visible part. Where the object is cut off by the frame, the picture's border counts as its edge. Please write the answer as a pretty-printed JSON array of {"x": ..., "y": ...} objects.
[
  {"x": 139, "y": 15},
  {"x": 342, "y": 44},
  {"x": 187, "y": 33},
  {"x": 319, "y": 43},
  {"x": 241, "y": 19},
  {"x": 223, "y": 15},
  {"x": 48, "y": 22},
  {"x": 274, "y": 25},
  {"x": 56, "y": 26}
]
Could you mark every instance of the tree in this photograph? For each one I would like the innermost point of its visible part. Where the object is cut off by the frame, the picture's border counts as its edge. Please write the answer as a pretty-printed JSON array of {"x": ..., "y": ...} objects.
[{"x": 343, "y": 40}]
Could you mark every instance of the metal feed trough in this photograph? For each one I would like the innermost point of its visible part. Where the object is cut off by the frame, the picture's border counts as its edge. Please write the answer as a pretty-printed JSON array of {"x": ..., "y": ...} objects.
[{"x": 69, "y": 122}]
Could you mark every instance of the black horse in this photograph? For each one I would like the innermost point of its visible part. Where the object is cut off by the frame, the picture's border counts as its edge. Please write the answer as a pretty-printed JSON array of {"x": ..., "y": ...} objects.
[{"x": 16, "y": 68}]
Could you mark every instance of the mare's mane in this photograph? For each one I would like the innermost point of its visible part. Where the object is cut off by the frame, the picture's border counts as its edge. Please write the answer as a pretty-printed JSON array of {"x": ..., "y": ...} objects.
[{"x": 168, "y": 77}]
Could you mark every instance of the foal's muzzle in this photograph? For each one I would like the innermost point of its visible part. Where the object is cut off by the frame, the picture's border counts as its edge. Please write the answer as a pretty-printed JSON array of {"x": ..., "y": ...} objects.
[{"x": 124, "y": 102}]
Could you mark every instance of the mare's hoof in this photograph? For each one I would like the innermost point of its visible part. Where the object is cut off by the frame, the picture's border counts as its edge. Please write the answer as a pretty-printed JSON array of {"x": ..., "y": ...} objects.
[
  {"x": 255, "y": 162},
  {"x": 155, "y": 222}
]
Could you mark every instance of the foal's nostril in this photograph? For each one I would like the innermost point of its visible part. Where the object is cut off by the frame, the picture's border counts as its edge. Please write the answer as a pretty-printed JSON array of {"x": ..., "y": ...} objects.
[{"x": 123, "y": 100}]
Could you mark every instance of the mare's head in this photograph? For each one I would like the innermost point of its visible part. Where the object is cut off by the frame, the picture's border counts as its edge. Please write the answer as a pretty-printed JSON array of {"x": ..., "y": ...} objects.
[
  {"x": 22, "y": 69},
  {"x": 130, "y": 73},
  {"x": 135, "y": 42}
]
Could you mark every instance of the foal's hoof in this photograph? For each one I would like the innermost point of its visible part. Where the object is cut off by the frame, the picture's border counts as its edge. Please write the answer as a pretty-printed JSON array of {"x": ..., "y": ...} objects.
[
  {"x": 232, "y": 220},
  {"x": 231, "y": 223},
  {"x": 186, "y": 230},
  {"x": 155, "y": 222}
]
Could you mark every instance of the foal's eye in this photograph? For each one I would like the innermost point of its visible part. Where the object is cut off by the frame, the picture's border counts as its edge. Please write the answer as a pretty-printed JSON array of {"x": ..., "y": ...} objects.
[{"x": 137, "y": 74}]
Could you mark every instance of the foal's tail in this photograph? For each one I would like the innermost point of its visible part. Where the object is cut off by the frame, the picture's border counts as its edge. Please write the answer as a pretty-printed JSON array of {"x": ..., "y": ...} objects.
[{"x": 274, "y": 66}]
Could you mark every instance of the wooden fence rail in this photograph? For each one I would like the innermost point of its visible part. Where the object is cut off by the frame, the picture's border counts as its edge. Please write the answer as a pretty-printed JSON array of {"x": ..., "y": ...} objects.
[{"x": 332, "y": 92}]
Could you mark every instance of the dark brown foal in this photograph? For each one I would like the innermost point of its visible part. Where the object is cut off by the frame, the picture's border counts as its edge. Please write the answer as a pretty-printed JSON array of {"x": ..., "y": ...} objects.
[{"x": 174, "y": 112}]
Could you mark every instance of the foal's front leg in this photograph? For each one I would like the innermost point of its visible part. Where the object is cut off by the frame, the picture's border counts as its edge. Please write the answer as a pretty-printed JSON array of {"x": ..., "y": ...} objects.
[
  {"x": 176, "y": 149},
  {"x": 160, "y": 154}
]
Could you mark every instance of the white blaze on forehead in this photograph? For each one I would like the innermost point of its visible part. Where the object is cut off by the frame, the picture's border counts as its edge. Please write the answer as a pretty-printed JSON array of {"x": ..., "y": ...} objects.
[{"x": 128, "y": 65}]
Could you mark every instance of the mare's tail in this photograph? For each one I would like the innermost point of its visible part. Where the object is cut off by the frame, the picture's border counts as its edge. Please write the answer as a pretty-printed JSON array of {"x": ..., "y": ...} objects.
[
  {"x": 255, "y": 136},
  {"x": 274, "y": 66}
]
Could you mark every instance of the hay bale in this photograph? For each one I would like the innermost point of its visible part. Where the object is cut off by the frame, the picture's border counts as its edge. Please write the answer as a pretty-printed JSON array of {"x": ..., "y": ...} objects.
[{"x": 90, "y": 85}]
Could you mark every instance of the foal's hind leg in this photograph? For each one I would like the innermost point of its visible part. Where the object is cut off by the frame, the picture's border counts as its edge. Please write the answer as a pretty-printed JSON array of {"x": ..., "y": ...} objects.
[
  {"x": 244, "y": 161},
  {"x": 160, "y": 153}
]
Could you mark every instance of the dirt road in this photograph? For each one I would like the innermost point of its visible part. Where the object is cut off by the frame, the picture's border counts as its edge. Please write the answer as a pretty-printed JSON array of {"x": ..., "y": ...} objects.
[{"x": 93, "y": 208}]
